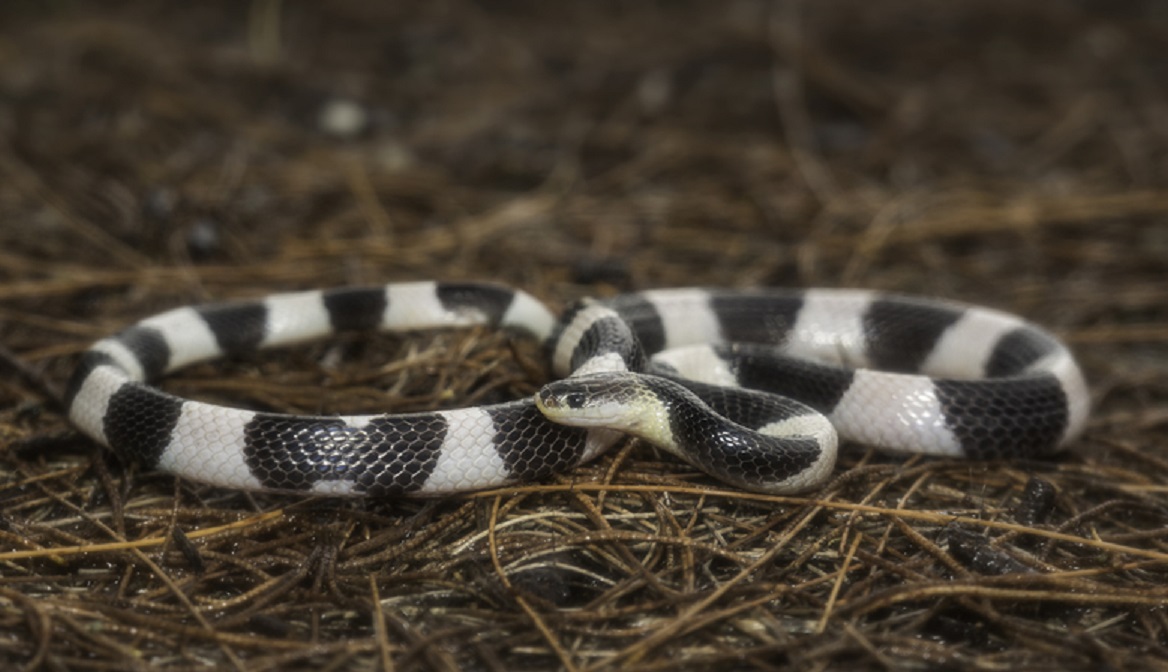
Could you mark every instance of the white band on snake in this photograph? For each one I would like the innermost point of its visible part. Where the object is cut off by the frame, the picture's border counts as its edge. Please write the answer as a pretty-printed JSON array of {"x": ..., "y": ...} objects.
[{"x": 749, "y": 386}]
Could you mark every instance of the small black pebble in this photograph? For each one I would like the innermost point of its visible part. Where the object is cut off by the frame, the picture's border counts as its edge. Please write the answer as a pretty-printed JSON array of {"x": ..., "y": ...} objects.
[{"x": 1036, "y": 503}]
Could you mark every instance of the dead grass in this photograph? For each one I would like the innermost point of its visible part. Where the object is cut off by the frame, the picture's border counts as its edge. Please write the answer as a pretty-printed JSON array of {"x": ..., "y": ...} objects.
[{"x": 1002, "y": 153}]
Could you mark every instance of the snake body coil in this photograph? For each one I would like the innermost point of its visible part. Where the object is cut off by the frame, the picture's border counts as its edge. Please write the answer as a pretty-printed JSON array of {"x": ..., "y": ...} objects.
[{"x": 746, "y": 385}]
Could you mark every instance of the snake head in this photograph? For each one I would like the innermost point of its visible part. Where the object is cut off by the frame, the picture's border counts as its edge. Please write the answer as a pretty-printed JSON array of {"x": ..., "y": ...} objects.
[
  {"x": 622, "y": 401},
  {"x": 612, "y": 400}
]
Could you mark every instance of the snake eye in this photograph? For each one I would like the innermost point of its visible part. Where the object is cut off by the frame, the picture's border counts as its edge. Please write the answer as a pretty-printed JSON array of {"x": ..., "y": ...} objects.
[{"x": 575, "y": 399}]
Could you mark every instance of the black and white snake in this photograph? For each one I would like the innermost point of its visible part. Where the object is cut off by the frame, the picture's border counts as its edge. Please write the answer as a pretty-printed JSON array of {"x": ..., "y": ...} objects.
[{"x": 899, "y": 373}]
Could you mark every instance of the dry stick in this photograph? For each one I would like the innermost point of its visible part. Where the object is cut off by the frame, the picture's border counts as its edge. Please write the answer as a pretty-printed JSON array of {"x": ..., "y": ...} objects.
[
  {"x": 787, "y": 86},
  {"x": 263, "y": 594},
  {"x": 839, "y": 582},
  {"x": 1150, "y": 332},
  {"x": 635, "y": 565},
  {"x": 29, "y": 182},
  {"x": 969, "y": 589},
  {"x": 880, "y": 227},
  {"x": 592, "y": 538},
  {"x": 688, "y": 561},
  {"x": 147, "y": 625},
  {"x": 204, "y": 624},
  {"x": 552, "y": 640},
  {"x": 379, "y": 626},
  {"x": 387, "y": 547},
  {"x": 366, "y": 194},
  {"x": 34, "y": 378},
  {"x": 140, "y": 543},
  {"x": 690, "y": 619},
  {"x": 1060, "y": 212},
  {"x": 926, "y": 516},
  {"x": 866, "y": 644},
  {"x": 40, "y": 625},
  {"x": 932, "y": 549}
]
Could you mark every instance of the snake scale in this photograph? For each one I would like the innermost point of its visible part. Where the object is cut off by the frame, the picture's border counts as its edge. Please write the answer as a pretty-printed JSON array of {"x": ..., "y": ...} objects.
[{"x": 750, "y": 386}]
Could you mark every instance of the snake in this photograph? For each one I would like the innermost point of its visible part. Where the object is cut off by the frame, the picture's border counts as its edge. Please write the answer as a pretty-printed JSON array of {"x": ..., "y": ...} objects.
[{"x": 755, "y": 387}]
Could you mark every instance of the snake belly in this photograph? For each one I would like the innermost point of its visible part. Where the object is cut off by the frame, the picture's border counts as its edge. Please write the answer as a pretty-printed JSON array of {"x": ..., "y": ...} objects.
[{"x": 894, "y": 372}]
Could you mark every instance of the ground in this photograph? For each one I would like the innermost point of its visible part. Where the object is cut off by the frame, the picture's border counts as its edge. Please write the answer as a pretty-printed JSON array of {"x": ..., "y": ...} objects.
[{"x": 158, "y": 154}]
